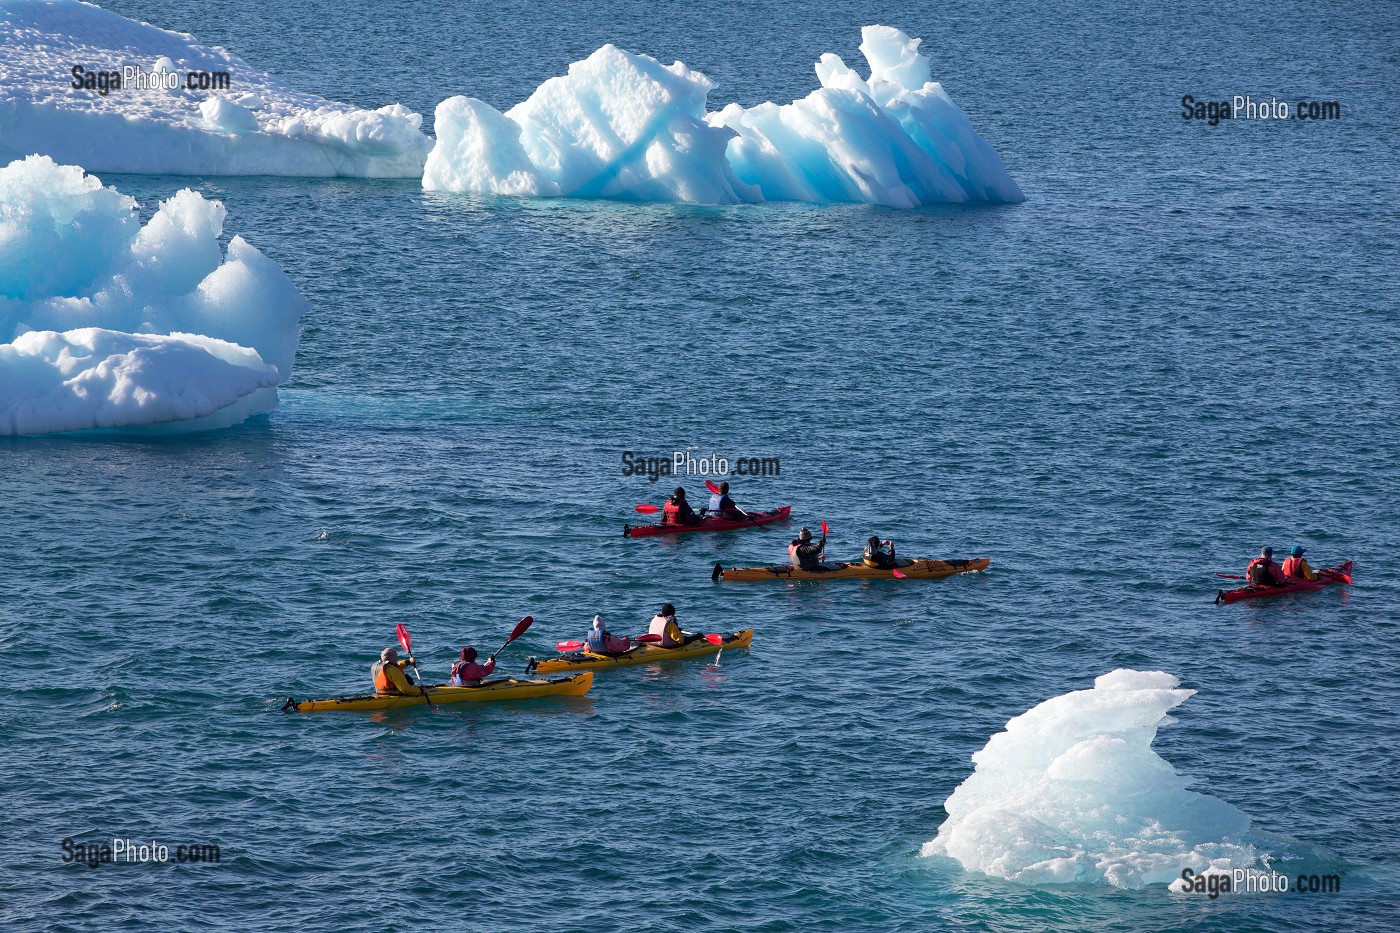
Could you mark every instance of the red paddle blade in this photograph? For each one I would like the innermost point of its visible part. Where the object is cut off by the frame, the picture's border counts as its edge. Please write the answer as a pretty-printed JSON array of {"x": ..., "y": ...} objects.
[
  {"x": 898, "y": 575},
  {"x": 401, "y": 630},
  {"x": 648, "y": 639},
  {"x": 710, "y": 485},
  {"x": 824, "y": 528},
  {"x": 646, "y": 509},
  {"x": 567, "y": 646},
  {"x": 714, "y": 639},
  {"x": 520, "y": 628}
]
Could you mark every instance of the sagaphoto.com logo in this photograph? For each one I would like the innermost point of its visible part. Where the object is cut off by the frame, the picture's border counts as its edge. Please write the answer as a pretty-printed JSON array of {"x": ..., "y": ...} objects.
[
  {"x": 123, "y": 851},
  {"x": 694, "y": 462},
  {"x": 1245, "y": 107},
  {"x": 163, "y": 76}
]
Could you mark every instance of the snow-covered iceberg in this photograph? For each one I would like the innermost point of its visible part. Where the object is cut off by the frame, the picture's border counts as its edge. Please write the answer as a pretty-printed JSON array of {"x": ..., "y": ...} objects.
[
  {"x": 621, "y": 125},
  {"x": 116, "y": 325},
  {"x": 1073, "y": 792},
  {"x": 257, "y": 125}
]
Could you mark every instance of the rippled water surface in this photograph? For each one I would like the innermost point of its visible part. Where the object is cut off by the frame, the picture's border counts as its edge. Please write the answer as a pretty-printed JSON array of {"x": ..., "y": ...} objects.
[{"x": 1182, "y": 346}]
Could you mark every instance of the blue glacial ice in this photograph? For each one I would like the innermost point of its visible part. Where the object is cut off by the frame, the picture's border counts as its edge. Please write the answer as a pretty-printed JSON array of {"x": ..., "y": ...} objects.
[
  {"x": 622, "y": 125},
  {"x": 117, "y": 325},
  {"x": 257, "y": 126},
  {"x": 1072, "y": 791}
]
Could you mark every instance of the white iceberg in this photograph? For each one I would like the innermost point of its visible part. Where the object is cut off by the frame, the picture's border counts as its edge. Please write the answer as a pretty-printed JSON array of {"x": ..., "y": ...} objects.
[
  {"x": 257, "y": 125},
  {"x": 116, "y": 325},
  {"x": 1072, "y": 791},
  {"x": 624, "y": 126}
]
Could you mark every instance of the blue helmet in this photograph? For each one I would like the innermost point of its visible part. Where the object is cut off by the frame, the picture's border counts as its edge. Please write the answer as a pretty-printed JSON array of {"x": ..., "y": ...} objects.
[{"x": 1296, "y": 552}]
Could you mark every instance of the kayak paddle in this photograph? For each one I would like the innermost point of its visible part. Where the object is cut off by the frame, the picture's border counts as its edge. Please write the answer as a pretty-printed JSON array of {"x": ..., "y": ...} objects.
[
  {"x": 520, "y": 628},
  {"x": 406, "y": 642},
  {"x": 1230, "y": 576},
  {"x": 715, "y": 639},
  {"x": 897, "y": 574},
  {"x": 646, "y": 509},
  {"x": 564, "y": 647}
]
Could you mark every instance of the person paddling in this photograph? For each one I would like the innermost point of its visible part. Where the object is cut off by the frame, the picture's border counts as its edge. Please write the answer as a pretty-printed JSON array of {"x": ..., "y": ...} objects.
[
  {"x": 664, "y": 624},
  {"x": 1262, "y": 571},
  {"x": 389, "y": 678},
  {"x": 601, "y": 641},
  {"x": 467, "y": 673},
  {"x": 1295, "y": 568},
  {"x": 677, "y": 510},
  {"x": 804, "y": 554},
  {"x": 876, "y": 555},
  {"x": 721, "y": 506}
]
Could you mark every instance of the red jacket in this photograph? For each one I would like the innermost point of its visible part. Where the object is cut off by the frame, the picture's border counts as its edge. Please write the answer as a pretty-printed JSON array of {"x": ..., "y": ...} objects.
[{"x": 1267, "y": 574}]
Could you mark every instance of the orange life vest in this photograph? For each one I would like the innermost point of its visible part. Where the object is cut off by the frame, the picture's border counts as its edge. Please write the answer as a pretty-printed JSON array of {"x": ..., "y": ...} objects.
[{"x": 382, "y": 683}]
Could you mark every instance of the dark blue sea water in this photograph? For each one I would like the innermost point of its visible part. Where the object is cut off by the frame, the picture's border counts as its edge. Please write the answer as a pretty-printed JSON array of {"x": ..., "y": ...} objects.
[{"x": 1183, "y": 346}]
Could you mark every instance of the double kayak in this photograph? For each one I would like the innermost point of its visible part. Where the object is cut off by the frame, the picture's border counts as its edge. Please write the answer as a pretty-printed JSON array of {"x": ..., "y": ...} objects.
[
  {"x": 1339, "y": 574},
  {"x": 640, "y": 654},
  {"x": 711, "y": 523},
  {"x": 835, "y": 570},
  {"x": 491, "y": 690}
]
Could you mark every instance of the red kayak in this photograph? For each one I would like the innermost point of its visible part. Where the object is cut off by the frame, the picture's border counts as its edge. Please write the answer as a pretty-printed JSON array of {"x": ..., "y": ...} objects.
[
  {"x": 711, "y": 524},
  {"x": 1339, "y": 574}
]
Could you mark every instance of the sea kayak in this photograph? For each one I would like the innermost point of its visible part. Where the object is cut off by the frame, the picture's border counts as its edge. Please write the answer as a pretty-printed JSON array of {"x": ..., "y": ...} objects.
[
  {"x": 711, "y": 523},
  {"x": 834, "y": 570},
  {"x": 641, "y": 654},
  {"x": 491, "y": 690},
  {"x": 1338, "y": 574}
]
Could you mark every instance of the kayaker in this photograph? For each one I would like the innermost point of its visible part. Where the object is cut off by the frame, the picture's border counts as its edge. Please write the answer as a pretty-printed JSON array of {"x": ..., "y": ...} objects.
[
  {"x": 1295, "y": 568},
  {"x": 677, "y": 510},
  {"x": 664, "y": 624},
  {"x": 389, "y": 678},
  {"x": 721, "y": 506},
  {"x": 1262, "y": 571},
  {"x": 804, "y": 554},
  {"x": 875, "y": 554},
  {"x": 601, "y": 641},
  {"x": 467, "y": 673}
]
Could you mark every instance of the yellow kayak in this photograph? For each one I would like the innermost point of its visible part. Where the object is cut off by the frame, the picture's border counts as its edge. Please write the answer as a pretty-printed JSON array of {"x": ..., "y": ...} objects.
[
  {"x": 508, "y": 689},
  {"x": 641, "y": 654},
  {"x": 835, "y": 570}
]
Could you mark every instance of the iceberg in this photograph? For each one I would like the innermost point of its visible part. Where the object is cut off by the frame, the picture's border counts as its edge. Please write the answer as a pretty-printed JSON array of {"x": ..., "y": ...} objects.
[
  {"x": 117, "y": 325},
  {"x": 622, "y": 125},
  {"x": 91, "y": 88},
  {"x": 1072, "y": 791}
]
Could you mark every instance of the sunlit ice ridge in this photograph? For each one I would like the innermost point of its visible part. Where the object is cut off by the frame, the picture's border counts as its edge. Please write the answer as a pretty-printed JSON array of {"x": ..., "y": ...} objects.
[{"x": 623, "y": 126}]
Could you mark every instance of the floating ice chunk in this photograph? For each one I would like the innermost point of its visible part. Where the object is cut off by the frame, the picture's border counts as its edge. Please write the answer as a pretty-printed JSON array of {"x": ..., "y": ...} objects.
[
  {"x": 622, "y": 125},
  {"x": 896, "y": 139},
  {"x": 115, "y": 325},
  {"x": 93, "y": 378},
  {"x": 618, "y": 125},
  {"x": 1072, "y": 791},
  {"x": 187, "y": 130}
]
